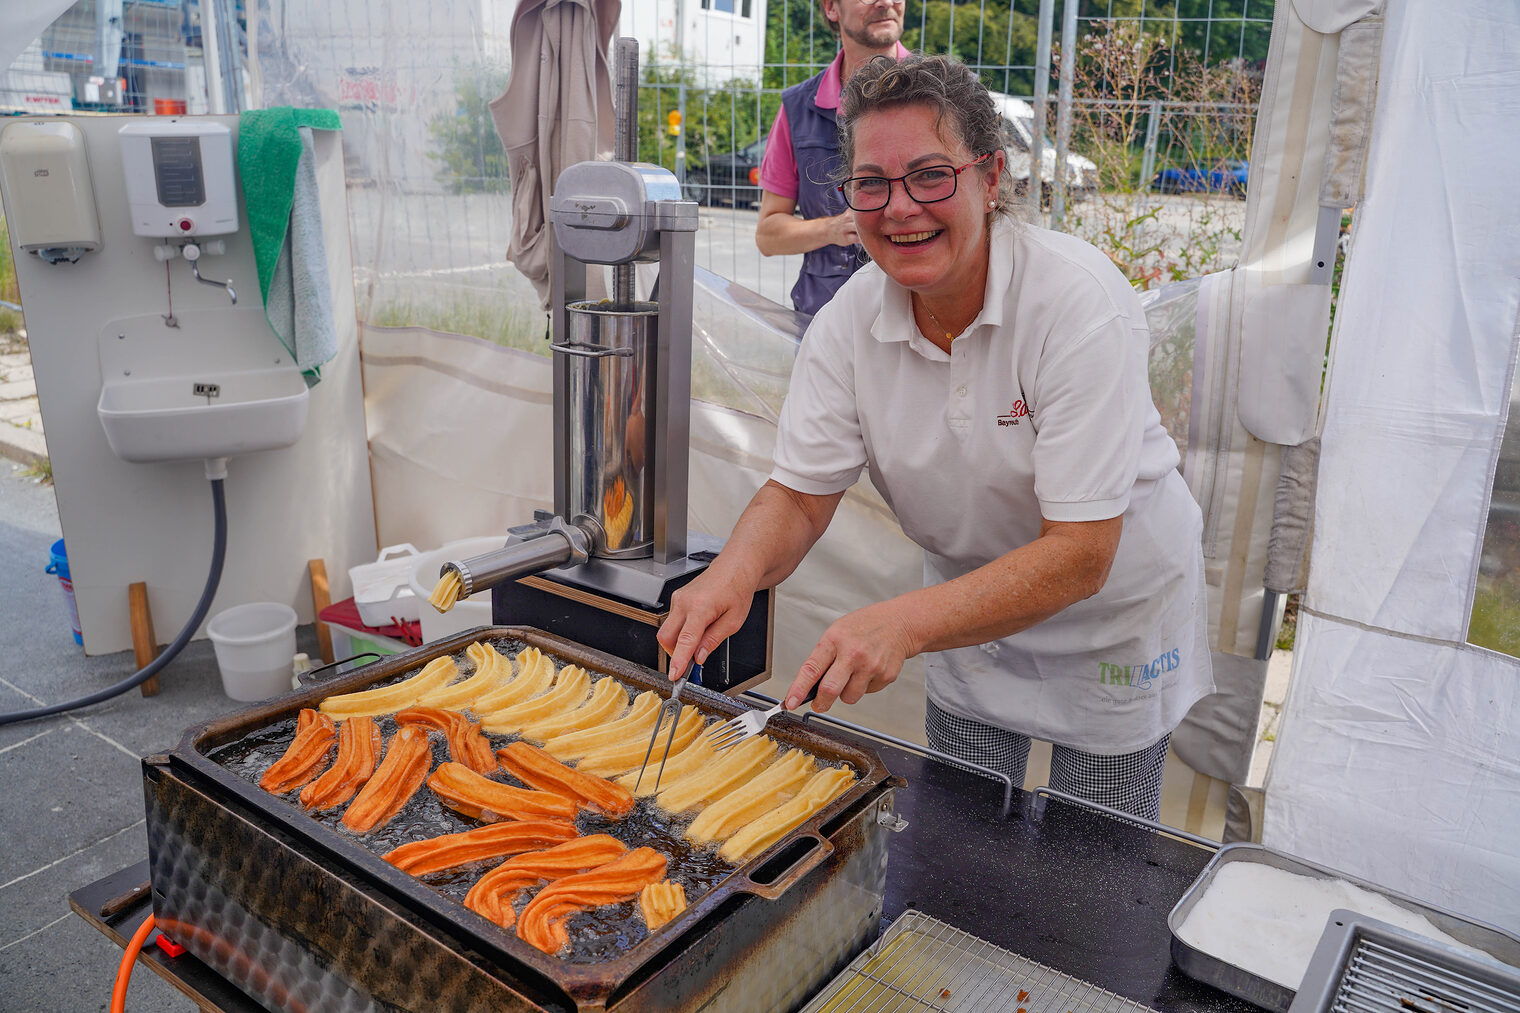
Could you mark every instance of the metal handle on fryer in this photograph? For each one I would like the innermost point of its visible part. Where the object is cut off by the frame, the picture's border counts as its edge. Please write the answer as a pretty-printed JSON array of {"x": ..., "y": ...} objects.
[
  {"x": 815, "y": 857},
  {"x": 1037, "y": 810},
  {"x": 592, "y": 351}
]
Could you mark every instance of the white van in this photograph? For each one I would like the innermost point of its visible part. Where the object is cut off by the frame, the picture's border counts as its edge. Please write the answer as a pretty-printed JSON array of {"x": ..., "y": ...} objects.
[{"x": 1018, "y": 121}]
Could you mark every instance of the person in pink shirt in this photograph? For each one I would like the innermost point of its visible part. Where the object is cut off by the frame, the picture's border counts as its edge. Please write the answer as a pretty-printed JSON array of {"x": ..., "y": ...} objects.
[{"x": 800, "y": 209}]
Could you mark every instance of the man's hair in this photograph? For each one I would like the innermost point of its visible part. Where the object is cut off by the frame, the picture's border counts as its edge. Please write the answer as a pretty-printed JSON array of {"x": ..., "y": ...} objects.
[{"x": 940, "y": 82}]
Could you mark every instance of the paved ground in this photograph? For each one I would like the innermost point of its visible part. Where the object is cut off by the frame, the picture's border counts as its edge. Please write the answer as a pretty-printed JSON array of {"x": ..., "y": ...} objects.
[
  {"x": 20, "y": 422},
  {"x": 72, "y": 785}
]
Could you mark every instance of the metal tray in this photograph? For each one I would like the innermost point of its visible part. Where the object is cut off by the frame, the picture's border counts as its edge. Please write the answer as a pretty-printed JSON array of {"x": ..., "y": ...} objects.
[
  {"x": 769, "y": 878},
  {"x": 923, "y": 965},
  {"x": 1237, "y": 981}
]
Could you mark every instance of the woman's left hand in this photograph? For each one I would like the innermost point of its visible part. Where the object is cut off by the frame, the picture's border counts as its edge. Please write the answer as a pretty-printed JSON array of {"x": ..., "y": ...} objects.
[{"x": 860, "y": 653}]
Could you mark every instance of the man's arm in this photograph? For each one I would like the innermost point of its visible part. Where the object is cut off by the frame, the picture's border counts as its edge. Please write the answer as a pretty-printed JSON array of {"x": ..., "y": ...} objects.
[{"x": 781, "y": 232}]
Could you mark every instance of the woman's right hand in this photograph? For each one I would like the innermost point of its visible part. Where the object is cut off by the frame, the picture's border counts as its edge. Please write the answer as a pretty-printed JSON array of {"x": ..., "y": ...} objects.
[
  {"x": 703, "y": 614},
  {"x": 772, "y": 535}
]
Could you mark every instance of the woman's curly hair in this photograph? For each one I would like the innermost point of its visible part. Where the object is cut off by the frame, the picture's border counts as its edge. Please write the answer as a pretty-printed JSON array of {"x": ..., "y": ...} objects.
[{"x": 941, "y": 82}]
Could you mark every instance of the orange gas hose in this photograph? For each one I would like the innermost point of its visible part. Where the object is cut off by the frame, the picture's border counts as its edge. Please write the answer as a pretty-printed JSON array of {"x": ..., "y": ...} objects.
[{"x": 128, "y": 961}]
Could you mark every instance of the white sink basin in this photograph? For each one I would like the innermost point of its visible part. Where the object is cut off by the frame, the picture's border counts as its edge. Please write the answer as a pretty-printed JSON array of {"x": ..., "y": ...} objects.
[{"x": 185, "y": 418}]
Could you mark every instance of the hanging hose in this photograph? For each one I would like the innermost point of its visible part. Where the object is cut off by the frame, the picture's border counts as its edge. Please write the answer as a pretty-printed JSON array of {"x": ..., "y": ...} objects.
[
  {"x": 148, "y": 671},
  {"x": 128, "y": 961}
]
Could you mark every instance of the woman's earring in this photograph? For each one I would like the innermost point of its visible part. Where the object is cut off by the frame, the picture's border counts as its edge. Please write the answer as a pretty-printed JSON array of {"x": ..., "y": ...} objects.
[{"x": 992, "y": 205}]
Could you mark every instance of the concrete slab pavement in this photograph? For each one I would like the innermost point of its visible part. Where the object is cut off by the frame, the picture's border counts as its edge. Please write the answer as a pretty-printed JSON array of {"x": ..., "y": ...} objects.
[
  {"x": 73, "y": 782},
  {"x": 21, "y": 436}
]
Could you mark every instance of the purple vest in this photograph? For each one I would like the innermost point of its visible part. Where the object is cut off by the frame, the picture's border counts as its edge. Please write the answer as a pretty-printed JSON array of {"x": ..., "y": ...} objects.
[{"x": 815, "y": 147}]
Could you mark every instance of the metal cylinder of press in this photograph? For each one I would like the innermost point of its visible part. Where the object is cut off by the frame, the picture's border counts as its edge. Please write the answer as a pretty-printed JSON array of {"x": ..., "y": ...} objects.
[{"x": 609, "y": 419}]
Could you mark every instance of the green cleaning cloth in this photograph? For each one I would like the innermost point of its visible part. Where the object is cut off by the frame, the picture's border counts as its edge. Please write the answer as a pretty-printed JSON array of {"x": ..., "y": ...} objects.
[{"x": 276, "y": 166}]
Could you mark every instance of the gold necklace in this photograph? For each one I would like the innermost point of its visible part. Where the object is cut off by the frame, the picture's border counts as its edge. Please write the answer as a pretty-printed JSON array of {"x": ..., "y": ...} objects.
[{"x": 949, "y": 335}]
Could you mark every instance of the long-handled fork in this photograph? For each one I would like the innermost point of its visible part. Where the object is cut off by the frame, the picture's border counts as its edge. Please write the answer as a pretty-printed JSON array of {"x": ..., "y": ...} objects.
[
  {"x": 735, "y": 730},
  {"x": 670, "y": 708}
]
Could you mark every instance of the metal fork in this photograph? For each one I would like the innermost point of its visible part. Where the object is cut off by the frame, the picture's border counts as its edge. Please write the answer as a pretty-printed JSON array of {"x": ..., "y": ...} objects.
[
  {"x": 670, "y": 708},
  {"x": 735, "y": 730}
]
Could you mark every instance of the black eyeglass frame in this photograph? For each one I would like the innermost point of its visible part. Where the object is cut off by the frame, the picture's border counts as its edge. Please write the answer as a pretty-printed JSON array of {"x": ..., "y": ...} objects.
[{"x": 903, "y": 180}]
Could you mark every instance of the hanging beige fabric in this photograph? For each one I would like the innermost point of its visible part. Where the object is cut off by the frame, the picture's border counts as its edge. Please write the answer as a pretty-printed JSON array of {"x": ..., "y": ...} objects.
[
  {"x": 1232, "y": 470},
  {"x": 556, "y": 111}
]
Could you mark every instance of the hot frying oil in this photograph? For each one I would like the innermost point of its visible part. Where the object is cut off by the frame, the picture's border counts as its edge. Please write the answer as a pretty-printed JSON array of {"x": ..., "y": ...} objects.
[{"x": 595, "y": 935}]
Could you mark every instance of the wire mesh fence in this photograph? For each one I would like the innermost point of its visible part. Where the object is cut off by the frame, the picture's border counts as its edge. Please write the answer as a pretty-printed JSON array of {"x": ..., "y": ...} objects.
[{"x": 1162, "y": 101}]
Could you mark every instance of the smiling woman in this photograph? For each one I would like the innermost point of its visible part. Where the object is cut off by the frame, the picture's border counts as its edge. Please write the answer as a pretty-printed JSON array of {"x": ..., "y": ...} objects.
[{"x": 991, "y": 377}]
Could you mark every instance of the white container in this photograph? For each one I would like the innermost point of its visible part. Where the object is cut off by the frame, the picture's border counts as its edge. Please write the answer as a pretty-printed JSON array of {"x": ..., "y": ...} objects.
[
  {"x": 382, "y": 589},
  {"x": 467, "y": 614},
  {"x": 254, "y": 646}
]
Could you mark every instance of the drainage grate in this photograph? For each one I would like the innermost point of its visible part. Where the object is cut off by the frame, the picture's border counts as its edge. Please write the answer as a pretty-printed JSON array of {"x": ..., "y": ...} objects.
[
  {"x": 924, "y": 964},
  {"x": 1365, "y": 966}
]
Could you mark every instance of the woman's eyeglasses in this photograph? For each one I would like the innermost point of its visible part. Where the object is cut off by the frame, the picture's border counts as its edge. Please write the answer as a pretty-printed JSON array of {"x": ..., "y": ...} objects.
[{"x": 928, "y": 185}]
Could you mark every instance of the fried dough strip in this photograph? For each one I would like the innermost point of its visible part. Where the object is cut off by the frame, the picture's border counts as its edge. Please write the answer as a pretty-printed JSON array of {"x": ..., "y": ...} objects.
[
  {"x": 535, "y": 673},
  {"x": 315, "y": 734},
  {"x": 488, "y": 843},
  {"x": 495, "y": 892},
  {"x": 695, "y": 753},
  {"x": 607, "y": 702},
  {"x": 481, "y": 798},
  {"x": 735, "y": 767},
  {"x": 358, "y": 752},
  {"x": 445, "y": 592},
  {"x": 459, "y": 695},
  {"x": 466, "y": 744},
  {"x": 542, "y": 922},
  {"x": 406, "y": 762},
  {"x": 571, "y": 687},
  {"x": 824, "y": 786},
  {"x": 390, "y": 699},
  {"x": 628, "y": 755},
  {"x": 660, "y": 902},
  {"x": 532, "y": 766},
  {"x": 767, "y": 790},
  {"x": 638, "y": 721}
]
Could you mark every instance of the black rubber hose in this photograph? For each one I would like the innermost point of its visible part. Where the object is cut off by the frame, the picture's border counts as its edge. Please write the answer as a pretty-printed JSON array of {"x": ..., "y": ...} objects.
[{"x": 214, "y": 578}]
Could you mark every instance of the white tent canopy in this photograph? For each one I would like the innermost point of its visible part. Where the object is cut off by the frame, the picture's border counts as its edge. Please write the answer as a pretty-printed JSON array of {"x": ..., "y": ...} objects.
[{"x": 1399, "y": 755}]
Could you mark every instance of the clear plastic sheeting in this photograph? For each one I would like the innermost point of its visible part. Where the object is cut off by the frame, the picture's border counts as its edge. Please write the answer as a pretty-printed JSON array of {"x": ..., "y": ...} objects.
[
  {"x": 1172, "y": 313},
  {"x": 21, "y": 23},
  {"x": 429, "y": 212},
  {"x": 1399, "y": 754}
]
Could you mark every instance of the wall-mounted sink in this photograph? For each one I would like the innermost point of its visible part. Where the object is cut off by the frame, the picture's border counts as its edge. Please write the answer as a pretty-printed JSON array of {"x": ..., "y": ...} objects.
[{"x": 185, "y": 418}]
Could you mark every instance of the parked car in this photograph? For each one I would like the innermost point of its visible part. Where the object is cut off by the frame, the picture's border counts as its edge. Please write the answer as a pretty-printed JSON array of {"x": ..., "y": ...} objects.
[
  {"x": 729, "y": 178},
  {"x": 1227, "y": 175},
  {"x": 1018, "y": 123}
]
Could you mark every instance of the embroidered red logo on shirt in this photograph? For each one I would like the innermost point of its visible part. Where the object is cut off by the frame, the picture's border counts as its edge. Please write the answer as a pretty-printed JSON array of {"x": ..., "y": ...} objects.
[{"x": 1011, "y": 417}]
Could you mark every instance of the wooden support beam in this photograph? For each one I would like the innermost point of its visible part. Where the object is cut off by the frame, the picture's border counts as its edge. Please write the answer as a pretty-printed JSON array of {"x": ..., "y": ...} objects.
[
  {"x": 144, "y": 643},
  {"x": 320, "y": 599}
]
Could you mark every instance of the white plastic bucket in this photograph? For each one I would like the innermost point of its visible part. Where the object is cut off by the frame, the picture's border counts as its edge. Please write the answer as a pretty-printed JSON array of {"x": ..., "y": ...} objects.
[
  {"x": 254, "y": 646},
  {"x": 467, "y": 614}
]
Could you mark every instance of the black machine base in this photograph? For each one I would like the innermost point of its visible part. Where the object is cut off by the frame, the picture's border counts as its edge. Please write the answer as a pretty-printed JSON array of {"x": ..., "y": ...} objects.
[{"x": 617, "y": 606}]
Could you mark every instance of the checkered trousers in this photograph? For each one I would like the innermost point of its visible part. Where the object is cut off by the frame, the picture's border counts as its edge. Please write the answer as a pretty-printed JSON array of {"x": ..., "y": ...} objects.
[{"x": 1131, "y": 783}]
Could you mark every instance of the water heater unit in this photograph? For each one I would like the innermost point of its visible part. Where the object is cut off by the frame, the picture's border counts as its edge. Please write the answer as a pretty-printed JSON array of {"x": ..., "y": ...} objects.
[{"x": 180, "y": 179}]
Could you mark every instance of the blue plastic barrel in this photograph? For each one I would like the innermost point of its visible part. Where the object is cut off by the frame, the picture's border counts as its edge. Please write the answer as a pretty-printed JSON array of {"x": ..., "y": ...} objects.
[{"x": 60, "y": 566}]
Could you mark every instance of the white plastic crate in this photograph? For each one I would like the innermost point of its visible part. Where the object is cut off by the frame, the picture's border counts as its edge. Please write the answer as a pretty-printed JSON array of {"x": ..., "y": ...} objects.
[{"x": 382, "y": 589}]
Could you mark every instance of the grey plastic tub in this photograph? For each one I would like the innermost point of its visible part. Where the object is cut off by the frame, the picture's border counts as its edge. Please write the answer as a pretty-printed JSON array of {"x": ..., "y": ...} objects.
[{"x": 1239, "y": 982}]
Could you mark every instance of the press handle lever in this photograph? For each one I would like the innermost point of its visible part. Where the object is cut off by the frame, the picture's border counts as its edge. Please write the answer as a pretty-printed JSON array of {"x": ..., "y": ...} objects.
[{"x": 591, "y": 351}]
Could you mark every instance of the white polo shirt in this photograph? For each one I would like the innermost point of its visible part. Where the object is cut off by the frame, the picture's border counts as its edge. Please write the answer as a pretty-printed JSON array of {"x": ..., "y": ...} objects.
[{"x": 1042, "y": 408}]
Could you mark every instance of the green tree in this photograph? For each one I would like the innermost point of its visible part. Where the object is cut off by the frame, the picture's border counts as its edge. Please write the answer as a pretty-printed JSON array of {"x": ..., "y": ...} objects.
[
  {"x": 465, "y": 141},
  {"x": 716, "y": 119}
]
